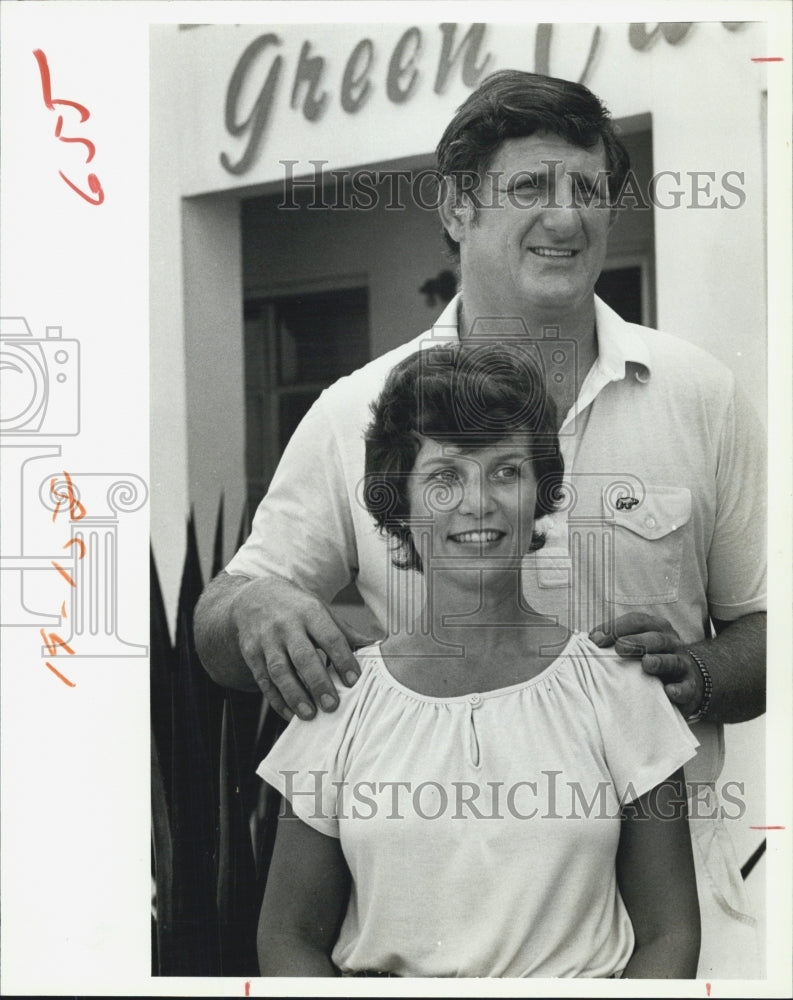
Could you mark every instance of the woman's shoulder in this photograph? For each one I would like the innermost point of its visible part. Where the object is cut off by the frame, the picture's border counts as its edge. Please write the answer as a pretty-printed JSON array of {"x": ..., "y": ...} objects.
[{"x": 614, "y": 683}]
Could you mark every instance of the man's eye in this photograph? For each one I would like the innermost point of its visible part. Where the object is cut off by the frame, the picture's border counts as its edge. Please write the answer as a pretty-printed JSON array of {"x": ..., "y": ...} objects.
[
  {"x": 590, "y": 190},
  {"x": 526, "y": 185},
  {"x": 446, "y": 476}
]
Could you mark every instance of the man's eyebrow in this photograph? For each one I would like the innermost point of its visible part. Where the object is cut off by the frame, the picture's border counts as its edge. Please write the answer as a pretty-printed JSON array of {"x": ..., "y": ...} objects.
[{"x": 522, "y": 176}]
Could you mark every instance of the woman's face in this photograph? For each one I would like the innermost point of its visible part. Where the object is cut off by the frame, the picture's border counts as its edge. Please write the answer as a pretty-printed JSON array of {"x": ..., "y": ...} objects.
[{"x": 473, "y": 504}]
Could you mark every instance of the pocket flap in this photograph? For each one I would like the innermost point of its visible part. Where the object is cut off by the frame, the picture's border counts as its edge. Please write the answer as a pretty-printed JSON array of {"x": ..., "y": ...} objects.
[{"x": 652, "y": 513}]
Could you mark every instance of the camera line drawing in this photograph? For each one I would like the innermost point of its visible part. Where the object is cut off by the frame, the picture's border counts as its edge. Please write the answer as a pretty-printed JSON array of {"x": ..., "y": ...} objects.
[{"x": 40, "y": 379}]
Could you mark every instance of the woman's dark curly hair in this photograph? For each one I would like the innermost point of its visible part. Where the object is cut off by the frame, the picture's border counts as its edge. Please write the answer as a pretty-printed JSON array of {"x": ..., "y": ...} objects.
[{"x": 469, "y": 397}]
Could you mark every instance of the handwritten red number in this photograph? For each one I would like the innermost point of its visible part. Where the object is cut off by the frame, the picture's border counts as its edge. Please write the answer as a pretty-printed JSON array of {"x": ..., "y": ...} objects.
[
  {"x": 76, "y": 509},
  {"x": 64, "y": 573},
  {"x": 94, "y": 186},
  {"x": 54, "y": 641},
  {"x": 76, "y": 541}
]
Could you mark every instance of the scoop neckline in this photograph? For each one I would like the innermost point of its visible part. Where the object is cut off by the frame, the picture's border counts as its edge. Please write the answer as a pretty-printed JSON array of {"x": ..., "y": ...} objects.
[{"x": 382, "y": 668}]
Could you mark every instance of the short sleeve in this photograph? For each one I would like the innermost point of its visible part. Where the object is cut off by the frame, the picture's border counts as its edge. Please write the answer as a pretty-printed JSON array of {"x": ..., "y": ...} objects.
[
  {"x": 303, "y": 529},
  {"x": 737, "y": 555},
  {"x": 645, "y": 738},
  {"x": 306, "y": 765}
]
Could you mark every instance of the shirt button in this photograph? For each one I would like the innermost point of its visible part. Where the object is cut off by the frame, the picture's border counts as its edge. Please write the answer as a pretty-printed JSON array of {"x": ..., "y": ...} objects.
[
  {"x": 474, "y": 698},
  {"x": 650, "y": 522}
]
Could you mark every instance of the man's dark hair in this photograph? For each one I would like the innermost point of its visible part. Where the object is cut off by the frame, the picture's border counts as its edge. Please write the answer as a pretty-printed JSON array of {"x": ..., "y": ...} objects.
[
  {"x": 471, "y": 397},
  {"x": 512, "y": 104}
]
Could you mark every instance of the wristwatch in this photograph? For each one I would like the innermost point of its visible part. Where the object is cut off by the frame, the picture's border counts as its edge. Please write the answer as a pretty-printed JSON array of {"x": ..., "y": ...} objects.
[{"x": 707, "y": 682}]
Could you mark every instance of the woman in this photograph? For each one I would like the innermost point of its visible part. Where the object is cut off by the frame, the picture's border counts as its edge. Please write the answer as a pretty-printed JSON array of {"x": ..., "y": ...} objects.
[{"x": 495, "y": 796}]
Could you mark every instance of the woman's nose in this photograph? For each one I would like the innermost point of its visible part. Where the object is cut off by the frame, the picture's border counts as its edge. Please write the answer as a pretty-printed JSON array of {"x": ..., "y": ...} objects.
[{"x": 477, "y": 495}]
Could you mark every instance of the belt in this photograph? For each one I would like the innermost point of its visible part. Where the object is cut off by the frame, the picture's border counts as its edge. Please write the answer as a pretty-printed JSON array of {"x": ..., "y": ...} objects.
[{"x": 372, "y": 972}]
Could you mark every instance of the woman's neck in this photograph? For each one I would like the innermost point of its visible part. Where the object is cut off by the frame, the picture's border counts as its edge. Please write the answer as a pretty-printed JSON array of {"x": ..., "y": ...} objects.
[{"x": 476, "y": 608}]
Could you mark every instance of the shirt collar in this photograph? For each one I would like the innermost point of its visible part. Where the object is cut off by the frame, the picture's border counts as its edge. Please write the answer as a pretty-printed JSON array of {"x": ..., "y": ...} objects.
[
  {"x": 618, "y": 345},
  {"x": 446, "y": 326}
]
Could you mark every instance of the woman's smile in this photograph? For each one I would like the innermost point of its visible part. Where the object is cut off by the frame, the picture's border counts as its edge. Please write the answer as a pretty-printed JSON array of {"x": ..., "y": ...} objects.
[{"x": 482, "y": 537}]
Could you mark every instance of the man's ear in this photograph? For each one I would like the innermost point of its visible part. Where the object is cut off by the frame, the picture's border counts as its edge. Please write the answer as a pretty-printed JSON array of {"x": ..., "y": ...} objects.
[{"x": 453, "y": 213}]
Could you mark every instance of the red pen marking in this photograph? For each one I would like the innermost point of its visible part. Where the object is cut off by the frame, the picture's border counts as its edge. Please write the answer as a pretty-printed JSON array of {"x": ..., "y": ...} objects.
[
  {"x": 66, "y": 576},
  {"x": 247, "y": 989},
  {"x": 53, "y": 642},
  {"x": 74, "y": 503},
  {"x": 76, "y": 541},
  {"x": 65, "y": 138},
  {"x": 50, "y": 103},
  {"x": 93, "y": 184},
  {"x": 766, "y": 828},
  {"x": 707, "y": 988},
  {"x": 767, "y": 59},
  {"x": 76, "y": 512},
  {"x": 57, "y": 673}
]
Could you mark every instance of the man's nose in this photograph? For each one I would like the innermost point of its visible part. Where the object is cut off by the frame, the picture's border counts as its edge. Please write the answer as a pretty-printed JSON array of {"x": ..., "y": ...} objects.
[{"x": 561, "y": 215}]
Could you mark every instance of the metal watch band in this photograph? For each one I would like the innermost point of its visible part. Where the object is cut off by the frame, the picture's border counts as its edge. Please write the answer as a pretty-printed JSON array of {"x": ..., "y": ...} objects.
[{"x": 707, "y": 681}]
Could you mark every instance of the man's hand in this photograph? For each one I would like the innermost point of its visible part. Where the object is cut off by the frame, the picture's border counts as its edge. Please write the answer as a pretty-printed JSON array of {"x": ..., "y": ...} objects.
[
  {"x": 270, "y": 632},
  {"x": 662, "y": 654},
  {"x": 288, "y": 638}
]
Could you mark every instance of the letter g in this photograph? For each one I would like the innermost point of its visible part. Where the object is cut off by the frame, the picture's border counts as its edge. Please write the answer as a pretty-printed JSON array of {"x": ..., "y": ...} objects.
[{"x": 257, "y": 119}]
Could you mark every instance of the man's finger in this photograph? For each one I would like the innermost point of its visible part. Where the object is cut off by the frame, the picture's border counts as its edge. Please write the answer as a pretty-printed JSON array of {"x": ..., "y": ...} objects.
[
  {"x": 338, "y": 640},
  {"x": 684, "y": 695},
  {"x": 632, "y": 623},
  {"x": 669, "y": 667},
  {"x": 312, "y": 669},
  {"x": 255, "y": 660},
  {"x": 641, "y": 643},
  {"x": 276, "y": 702},
  {"x": 283, "y": 677}
]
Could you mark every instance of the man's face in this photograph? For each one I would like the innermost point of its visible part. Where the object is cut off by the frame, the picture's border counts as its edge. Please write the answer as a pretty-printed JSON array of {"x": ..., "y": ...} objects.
[{"x": 539, "y": 249}]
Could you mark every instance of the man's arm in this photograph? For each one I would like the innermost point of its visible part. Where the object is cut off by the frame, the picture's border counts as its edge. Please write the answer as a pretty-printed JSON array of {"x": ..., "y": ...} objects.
[
  {"x": 267, "y": 633},
  {"x": 655, "y": 873},
  {"x": 735, "y": 659}
]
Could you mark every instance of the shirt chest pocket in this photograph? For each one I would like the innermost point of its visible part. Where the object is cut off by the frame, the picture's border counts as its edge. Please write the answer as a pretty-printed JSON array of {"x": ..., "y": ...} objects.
[{"x": 648, "y": 532}]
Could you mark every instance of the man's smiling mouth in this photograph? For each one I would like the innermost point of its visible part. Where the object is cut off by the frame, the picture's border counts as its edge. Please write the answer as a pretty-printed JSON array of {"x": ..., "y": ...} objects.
[{"x": 550, "y": 252}]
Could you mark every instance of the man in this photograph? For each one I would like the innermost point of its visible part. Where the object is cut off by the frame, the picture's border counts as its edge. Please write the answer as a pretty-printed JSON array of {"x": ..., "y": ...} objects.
[{"x": 657, "y": 535}]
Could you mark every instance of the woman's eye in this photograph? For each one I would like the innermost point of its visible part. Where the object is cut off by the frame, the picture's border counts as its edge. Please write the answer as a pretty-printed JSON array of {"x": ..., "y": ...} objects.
[
  {"x": 446, "y": 475},
  {"x": 507, "y": 473}
]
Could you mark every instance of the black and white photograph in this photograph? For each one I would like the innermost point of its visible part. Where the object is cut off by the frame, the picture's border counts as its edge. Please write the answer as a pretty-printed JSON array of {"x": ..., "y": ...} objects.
[{"x": 396, "y": 448}]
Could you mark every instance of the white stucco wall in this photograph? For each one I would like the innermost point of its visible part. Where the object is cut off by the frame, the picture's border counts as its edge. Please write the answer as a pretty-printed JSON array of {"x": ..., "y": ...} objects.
[{"x": 704, "y": 95}]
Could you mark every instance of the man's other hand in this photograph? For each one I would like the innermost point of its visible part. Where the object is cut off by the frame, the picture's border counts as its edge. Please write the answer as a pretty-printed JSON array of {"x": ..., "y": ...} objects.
[{"x": 638, "y": 635}]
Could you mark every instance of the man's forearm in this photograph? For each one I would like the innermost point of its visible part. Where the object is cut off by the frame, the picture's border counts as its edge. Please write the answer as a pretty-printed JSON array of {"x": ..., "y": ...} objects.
[
  {"x": 216, "y": 636},
  {"x": 736, "y": 661}
]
